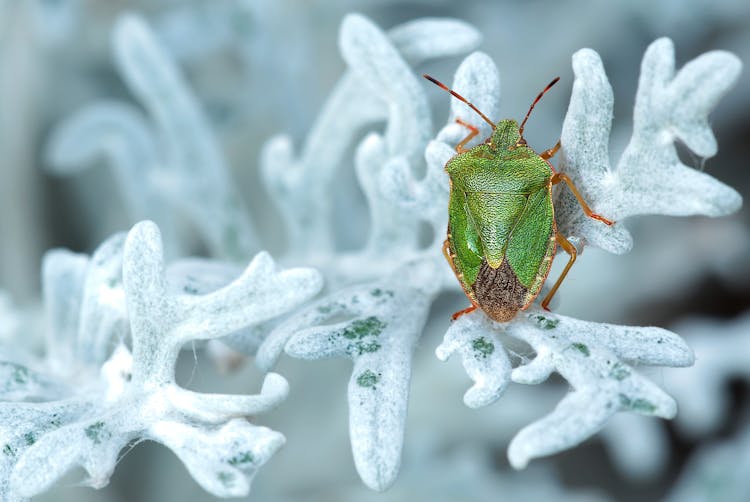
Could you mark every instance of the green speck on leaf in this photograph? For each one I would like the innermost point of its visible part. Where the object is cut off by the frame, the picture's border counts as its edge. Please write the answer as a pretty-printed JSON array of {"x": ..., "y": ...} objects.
[
  {"x": 619, "y": 372},
  {"x": 363, "y": 333},
  {"x": 368, "y": 379},
  {"x": 366, "y": 348},
  {"x": 545, "y": 322},
  {"x": 483, "y": 347},
  {"x": 377, "y": 292},
  {"x": 190, "y": 289},
  {"x": 30, "y": 438},
  {"x": 96, "y": 433},
  {"x": 20, "y": 375},
  {"x": 9, "y": 451},
  {"x": 226, "y": 478},
  {"x": 370, "y": 326},
  {"x": 582, "y": 348},
  {"x": 241, "y": 458},
  {"x": 641, "y": 405}
]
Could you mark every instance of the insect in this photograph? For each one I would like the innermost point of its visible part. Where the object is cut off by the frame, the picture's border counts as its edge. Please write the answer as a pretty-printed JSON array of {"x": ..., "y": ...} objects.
[{"x": 502, "y": 234}]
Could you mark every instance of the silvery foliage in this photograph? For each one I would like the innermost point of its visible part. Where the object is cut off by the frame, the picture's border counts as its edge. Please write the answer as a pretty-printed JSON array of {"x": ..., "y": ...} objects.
[
  {"x": 705, "y": 406},
  {"x": 166, "y": 164},
  {"x": 115, "y": 326},
  {"x": 597, "y": 359},
  {"x": 380, "y": 295},
  {"x": 721, "y": 355},
  {"x": 649, "y": 177},
  {"x": 716, "y": 473}
]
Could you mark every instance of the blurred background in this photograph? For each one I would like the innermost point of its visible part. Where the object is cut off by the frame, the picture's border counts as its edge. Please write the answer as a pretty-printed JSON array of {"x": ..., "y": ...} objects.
[{"x": 260, "y": 68}]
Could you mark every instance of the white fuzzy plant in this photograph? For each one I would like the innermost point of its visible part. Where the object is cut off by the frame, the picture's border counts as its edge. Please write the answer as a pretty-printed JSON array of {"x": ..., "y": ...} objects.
[
  {"x": 115, "y": 326},
  {"x": 378, "y": 298},
  {"x": 384, "y": 316},
  {"x": 168, "y": 166}
]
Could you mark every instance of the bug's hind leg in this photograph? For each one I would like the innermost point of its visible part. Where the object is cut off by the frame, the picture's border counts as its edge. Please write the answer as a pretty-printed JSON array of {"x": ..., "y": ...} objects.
[
  {"x": 460, "y": 148},
  {"x": 467, "y": 310},
  {"x": 571, "y": 250},
  {"x": 548, "y": 154},
  {"x": 558, "y": 177}
]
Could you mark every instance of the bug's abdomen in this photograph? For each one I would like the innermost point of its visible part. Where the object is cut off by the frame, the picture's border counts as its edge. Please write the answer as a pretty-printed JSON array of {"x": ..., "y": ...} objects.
[
  {"x": 498, "y": 291},
  {"x": 501, "y": 292}
]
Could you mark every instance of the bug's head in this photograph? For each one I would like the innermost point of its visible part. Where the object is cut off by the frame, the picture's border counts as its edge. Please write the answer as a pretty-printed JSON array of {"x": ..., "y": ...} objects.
[{"x": 506, "y": 135}]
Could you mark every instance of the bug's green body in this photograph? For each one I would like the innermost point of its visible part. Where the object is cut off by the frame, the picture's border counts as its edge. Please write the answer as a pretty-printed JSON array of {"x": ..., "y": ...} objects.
[{"x": 501, "y": 227}]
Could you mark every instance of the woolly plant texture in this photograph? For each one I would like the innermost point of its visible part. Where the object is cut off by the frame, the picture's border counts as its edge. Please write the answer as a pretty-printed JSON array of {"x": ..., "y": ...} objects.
[
  {"x": 117, "y": 322},
  {"x": 386, "y": 315},
  {"x": 98, "y": 395},
  {"x": 166, "y": 167}
]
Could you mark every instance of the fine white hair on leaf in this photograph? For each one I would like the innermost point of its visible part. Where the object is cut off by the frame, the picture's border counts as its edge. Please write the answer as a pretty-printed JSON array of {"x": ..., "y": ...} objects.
[
  {"x": 135, "y": 395},
  {"x": 594, "y": 358},
  {"x": 300, "y": 185},
  {"x": 395, "y": 281},
  {"x": 382, "y": 323},
  {"x": 597, "y": 359},
  {"x": 119, "y": 318},
  {"x": 483, "y": 358},
  {"x": 649, "y": 177}
]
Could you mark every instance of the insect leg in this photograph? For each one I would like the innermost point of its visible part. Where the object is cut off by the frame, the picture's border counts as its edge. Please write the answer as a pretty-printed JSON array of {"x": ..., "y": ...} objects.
[
  {"x": 464, "y": 311},
  {"x": 557, "y": 178},
  {"x": 571, "y": 250},
  {"x": 447, "y": 254},
  {"x": 548, "y": 154},
  {"x": 473, "y": 132}
]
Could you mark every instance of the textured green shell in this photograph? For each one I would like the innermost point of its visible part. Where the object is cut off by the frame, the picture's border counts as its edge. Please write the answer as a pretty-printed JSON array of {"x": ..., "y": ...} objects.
[{"x": 501, "y": 209}]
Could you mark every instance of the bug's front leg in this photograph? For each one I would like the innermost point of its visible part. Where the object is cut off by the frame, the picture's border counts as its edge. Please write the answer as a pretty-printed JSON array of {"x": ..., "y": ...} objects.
[
  {"x": 558, "y": 177},
  {"x": 548, "y": 154},
  {"x": 473, "y": 132},
  {"x": 571, "y": 250}
]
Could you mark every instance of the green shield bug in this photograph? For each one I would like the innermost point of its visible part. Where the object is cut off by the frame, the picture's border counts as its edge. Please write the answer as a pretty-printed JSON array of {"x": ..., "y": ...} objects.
[{"x": 501, "y": 221}]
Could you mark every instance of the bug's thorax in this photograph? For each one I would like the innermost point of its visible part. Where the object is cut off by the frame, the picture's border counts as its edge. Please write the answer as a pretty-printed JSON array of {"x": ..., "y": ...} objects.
[{"x": 502, "y": 164}]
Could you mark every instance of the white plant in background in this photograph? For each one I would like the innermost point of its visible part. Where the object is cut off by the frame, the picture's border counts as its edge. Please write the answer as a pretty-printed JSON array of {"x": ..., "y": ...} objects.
[
  {"x": 378, "y": 298},
  {"x": 168, "y": 167},
  {"x": 99, "y": 395},
  {"x": 721, "y": 355}
]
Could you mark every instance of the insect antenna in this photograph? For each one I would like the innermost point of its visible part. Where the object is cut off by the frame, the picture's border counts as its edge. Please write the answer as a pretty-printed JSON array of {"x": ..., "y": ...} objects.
[
  {"x": 459, "y": 97},
  {"x": 549, "y": 86}
]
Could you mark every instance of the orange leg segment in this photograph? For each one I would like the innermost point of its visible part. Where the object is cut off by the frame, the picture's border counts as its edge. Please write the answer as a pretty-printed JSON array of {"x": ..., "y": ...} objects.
[
  {"x": 473, "y": 132},
  {"x": 558, "y": 177},
  {"x": 571, "y": 250},
  {"x": 548, "y": 154},
  {"x": 467, "y": 310}
]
